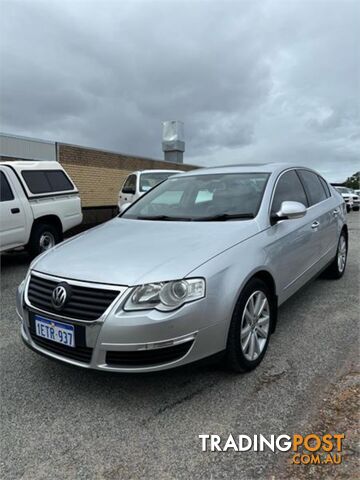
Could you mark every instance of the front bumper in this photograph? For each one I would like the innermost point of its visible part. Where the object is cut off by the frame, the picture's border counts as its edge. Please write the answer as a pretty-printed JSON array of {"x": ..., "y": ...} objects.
[{"x": 132, "y": 341}]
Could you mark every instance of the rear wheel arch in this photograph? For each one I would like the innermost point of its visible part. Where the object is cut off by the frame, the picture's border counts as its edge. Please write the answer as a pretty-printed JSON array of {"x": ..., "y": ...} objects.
[
  {"x": 46, "y": 231},
  {"x": 346, "y": 232},
  {"x": 53, "y": 220}
]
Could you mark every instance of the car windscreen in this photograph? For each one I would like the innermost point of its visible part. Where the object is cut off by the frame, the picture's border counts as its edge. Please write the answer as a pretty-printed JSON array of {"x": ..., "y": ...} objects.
[
  {"x": 150, "y": 180},
  {"x": 342, "y": 190},
  {"x": 208, "y": 197}
]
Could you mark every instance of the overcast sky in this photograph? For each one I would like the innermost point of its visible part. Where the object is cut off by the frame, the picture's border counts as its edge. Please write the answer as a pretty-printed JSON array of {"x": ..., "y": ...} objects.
[{"x": 252, "y": 80}]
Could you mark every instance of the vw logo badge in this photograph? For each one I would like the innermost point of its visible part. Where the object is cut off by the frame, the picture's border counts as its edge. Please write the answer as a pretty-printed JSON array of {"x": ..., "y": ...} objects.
[{"x": 59, "y": 297}]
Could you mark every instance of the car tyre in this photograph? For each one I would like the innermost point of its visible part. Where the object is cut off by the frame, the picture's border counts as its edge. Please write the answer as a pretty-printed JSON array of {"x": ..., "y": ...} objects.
[
  {"x": 356, "y": 209},
  {"x": 337, "y": 268},
  {"x": 43, "y": 237},
  {"x": 250, "y": 327}
]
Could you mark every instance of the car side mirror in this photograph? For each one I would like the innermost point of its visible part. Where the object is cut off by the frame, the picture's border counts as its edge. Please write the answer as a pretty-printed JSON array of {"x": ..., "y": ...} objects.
[
  {"x": 290, "y": 211},
  {"x": 129, "y": 190},
  {"x": 124, "y": 207}
]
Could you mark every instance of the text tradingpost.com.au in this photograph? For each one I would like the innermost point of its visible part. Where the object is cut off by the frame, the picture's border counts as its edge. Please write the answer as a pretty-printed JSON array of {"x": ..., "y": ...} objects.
[{"x": 305, "y": 449}]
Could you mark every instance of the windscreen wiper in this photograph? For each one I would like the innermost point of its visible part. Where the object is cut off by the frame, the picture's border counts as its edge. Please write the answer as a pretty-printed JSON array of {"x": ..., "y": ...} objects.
[
  {"x": 163, "y": 217},
  {"x": 222, "y": 217}
]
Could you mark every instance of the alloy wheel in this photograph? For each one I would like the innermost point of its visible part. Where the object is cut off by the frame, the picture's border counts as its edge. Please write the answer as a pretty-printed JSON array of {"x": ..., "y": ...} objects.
[
  {"x": 341, "y": 256},
  {"x": 47, "y": 241},
  {"x": 255, "y": 324}
]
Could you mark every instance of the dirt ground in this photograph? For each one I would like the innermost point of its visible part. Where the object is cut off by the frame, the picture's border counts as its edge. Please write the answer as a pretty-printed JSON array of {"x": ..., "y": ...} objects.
[{"x": 339, "y": 413}]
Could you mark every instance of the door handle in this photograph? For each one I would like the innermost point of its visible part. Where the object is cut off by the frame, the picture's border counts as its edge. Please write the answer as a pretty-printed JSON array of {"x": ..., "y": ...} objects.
[
  {"x": 315, "y": 225},
  {"x": 336, "y": 212},
  {"x": 15, "y": 210}
]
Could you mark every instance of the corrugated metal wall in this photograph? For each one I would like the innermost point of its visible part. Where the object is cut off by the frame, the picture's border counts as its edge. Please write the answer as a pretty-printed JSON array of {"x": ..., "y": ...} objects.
[{"x": 26, "y": 148}]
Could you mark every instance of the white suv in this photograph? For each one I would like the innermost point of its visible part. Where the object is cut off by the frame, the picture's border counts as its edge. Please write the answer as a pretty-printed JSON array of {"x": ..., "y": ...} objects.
[
  {"x": 140, "y": 182},
  {"x": 38, "y": 203},
  {"x": 351, "y": 199}
]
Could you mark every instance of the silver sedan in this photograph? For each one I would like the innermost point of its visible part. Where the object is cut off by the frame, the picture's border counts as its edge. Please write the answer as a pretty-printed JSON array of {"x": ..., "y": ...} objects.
[{"x": 196, "y": 267}]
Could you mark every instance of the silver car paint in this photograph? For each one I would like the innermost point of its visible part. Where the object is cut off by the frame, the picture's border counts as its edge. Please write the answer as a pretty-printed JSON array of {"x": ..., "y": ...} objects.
[{"x": 227, "y": 254}]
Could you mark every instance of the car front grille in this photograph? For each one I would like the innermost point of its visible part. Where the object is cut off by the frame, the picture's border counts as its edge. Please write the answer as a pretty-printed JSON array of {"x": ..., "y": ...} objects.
[
  {"x": 85, "y": 303},
  {"x": 147, "y": 358},
  {"x": 80, "y": 352}
]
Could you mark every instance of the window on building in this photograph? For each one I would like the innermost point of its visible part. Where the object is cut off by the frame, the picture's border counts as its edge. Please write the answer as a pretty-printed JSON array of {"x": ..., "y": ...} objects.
[
  {"x": 288, "y": 188},
  {"x": 314, "y": 189},
  {"x": 46, "y": 181},
  {"x": 6, "y": 193}
]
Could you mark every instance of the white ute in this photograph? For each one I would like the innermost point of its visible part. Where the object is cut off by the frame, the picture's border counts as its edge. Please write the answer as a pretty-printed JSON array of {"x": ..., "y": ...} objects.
[
  {"x": 39, "y": 202},
  {"x": 140, "y": 182}
]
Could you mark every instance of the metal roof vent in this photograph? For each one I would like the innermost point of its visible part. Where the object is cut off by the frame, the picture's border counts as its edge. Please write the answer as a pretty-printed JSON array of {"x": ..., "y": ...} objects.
[{"x": 173, "y": 143}]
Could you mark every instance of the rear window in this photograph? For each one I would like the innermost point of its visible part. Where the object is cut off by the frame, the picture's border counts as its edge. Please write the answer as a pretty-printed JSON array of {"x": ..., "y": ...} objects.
[{"x": 46, "y": 181}]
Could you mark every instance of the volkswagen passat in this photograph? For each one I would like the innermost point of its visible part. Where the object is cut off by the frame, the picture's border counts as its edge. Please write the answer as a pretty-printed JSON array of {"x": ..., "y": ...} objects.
[{"x": 197, "y": 266}]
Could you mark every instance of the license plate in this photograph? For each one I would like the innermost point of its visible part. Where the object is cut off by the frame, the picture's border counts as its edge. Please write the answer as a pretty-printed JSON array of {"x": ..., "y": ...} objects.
[{"x": 55, "y": 331}]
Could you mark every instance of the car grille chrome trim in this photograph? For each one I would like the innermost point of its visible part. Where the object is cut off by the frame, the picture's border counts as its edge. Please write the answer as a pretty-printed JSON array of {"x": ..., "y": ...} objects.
[
  {"x": 88, "y": 302},
  {"x": 148, "y": 357},
  {"x": 152, "y": 345}
]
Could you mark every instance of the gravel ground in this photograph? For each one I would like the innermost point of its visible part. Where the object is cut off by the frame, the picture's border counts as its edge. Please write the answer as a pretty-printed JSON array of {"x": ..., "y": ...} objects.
[
  {"x": 58, "y": 422},
  {"x": 338, "y": 413}
]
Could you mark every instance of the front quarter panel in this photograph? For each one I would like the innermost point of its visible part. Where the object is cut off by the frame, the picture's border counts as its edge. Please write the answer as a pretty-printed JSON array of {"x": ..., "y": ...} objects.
[{"x": 227, "y": 274}]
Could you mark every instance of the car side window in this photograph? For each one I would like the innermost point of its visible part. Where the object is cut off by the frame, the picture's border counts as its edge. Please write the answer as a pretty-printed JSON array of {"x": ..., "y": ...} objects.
[
  {"x": 326, "y": 187},
  {"x": 46, "y": 181},
  {"x": 314, "y": 189},
  {"x": 288, "y": 188},
  {"x": 6, "y": 193},
  {"x": 130, "y": 184}
]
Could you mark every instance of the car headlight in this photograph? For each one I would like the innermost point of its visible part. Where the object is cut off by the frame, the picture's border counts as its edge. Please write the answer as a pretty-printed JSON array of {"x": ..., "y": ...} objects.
[{"x": 165, "y": 296}]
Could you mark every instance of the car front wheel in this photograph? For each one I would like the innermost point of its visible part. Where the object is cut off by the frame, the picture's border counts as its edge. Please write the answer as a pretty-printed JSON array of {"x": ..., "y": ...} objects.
[{"x": 250, "y": 327}]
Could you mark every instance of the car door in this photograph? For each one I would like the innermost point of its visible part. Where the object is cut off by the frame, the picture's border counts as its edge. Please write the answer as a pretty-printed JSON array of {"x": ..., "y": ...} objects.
[
  {"x": 324, "y": 211},
  {"x": 128, "y": 190},
  {"x": 12, "y": 215},
  {"x": 292, "y": 245}
]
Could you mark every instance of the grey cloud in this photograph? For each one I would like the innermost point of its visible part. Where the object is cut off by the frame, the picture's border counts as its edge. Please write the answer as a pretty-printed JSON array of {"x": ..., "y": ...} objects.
[{"x": 251, "y": 80}]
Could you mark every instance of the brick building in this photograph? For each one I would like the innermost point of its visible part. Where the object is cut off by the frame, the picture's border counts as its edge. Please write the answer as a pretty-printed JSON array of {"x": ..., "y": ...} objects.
[{"x": 98, "y": 174}]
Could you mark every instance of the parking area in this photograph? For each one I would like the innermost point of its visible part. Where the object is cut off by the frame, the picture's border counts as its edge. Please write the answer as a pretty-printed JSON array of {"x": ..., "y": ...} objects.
[{"x": 60, "y": 422}]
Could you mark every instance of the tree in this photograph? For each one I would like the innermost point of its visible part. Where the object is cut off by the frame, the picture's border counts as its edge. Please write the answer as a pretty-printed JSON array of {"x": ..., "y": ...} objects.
[{"x": 353, "y": 181}]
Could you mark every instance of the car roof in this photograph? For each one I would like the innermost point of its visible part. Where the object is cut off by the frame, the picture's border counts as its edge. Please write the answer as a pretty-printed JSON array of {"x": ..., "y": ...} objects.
[
  {"x": 156, "y": 170},
  {"x": 245, "y": 168},
  {"x": 20, "y": 165}
]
